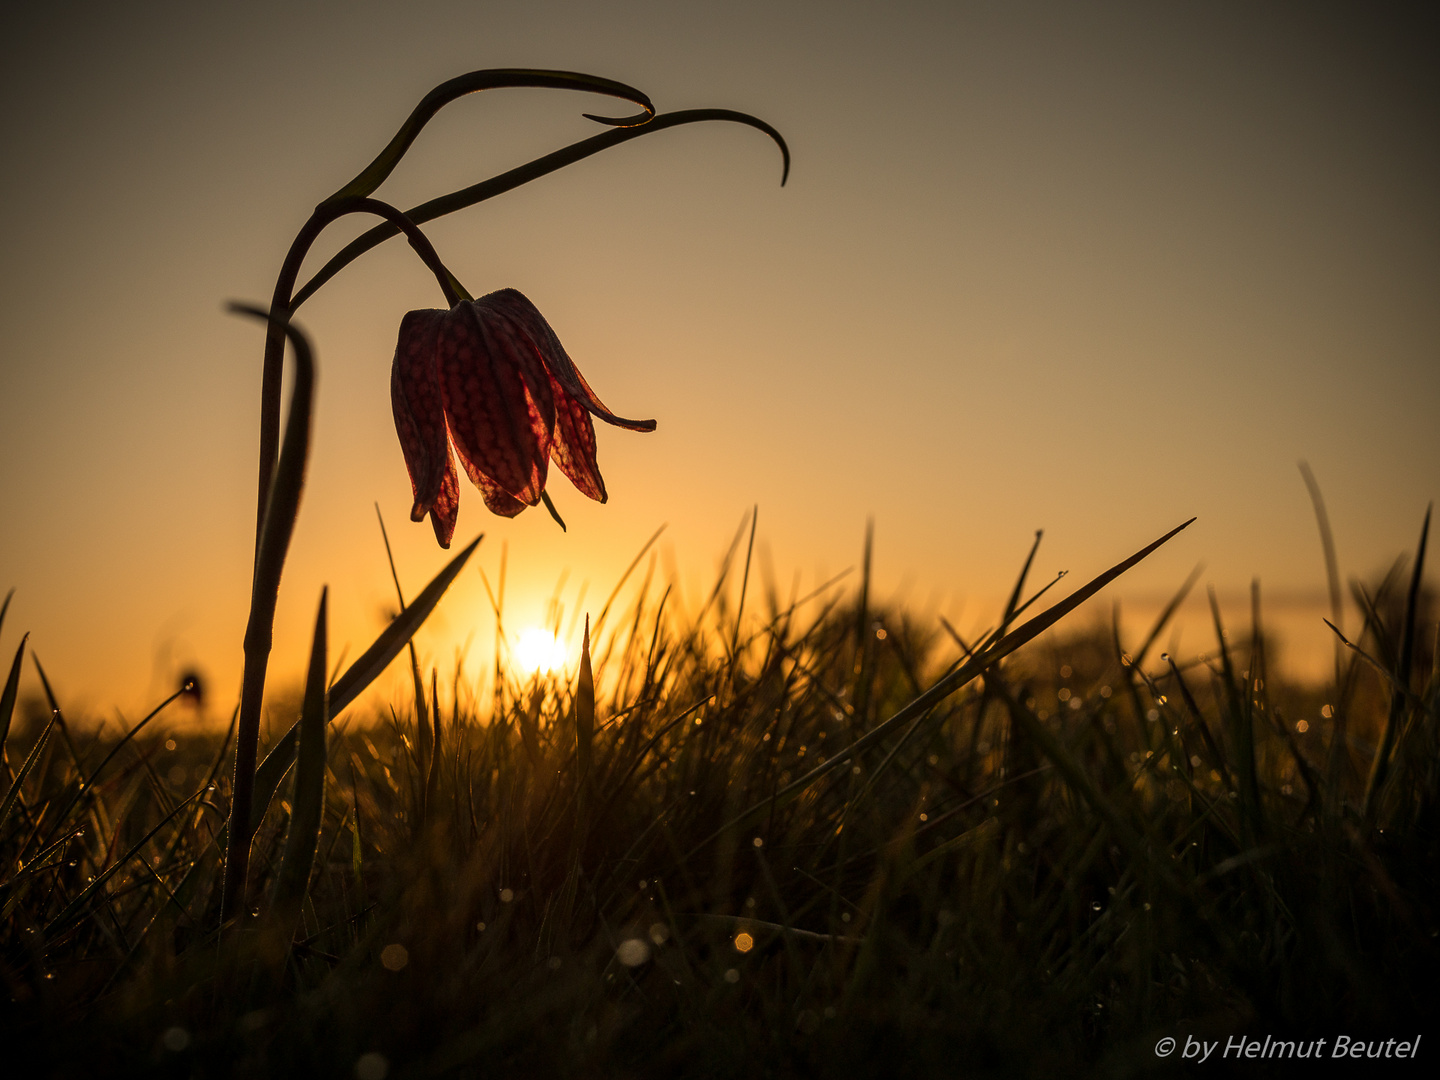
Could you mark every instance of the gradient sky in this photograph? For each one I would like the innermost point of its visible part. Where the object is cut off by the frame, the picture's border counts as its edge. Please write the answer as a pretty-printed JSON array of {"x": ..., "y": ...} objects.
[{"x": 1087, "y": 268}]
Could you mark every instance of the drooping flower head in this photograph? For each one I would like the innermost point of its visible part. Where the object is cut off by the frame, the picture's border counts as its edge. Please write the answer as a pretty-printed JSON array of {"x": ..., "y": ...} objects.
[{"x": 490, "y": 377}]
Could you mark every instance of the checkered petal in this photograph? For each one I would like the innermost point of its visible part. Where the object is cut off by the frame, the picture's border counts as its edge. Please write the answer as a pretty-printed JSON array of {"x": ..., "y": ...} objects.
[
  {"x": 419, "y": 410},
  {"x": 497, "y": 401}
]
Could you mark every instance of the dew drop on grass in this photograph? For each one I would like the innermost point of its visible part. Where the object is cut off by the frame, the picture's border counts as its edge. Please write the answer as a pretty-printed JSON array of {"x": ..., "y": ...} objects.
[
  {"x": 1095, "y": 905},
  {"x": 175, "y": 1039},
  {"x": 394, "y": 957},
  {"x": 632, "y": 952}
]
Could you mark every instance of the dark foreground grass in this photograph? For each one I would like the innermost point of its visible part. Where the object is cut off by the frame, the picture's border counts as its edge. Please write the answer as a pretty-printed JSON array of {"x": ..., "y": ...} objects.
[{"x": 1079, "y": 854}]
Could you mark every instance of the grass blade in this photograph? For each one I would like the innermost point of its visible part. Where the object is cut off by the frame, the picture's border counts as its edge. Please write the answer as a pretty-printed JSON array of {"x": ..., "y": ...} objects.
[
  {"x": 309, "y": 802},
  {"x": 34, "y": 756},
  {"x": 584, "y": 721},
  {"x": 12, "y": 684},
  {"x": 1380, "y": 767},
  {"x": 75, "y": 906},
  {"x": 946, "y": 686},
  {"x": 359, "y": 675}
]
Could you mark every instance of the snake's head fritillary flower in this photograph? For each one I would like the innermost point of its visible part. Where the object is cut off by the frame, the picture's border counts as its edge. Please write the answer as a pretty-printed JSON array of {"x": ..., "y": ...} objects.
[{"x": 490, "y": 377}]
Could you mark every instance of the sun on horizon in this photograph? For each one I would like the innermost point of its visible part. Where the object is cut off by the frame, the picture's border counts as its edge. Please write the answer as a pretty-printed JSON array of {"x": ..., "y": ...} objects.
[{"x": 539, "y": 650}]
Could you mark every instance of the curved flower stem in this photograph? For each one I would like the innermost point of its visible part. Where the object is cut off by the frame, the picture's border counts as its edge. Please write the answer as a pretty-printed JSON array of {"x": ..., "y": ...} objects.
[
  {"x": 283, "y": 307},
  {"x": 523, "y": 174},
  {"x": 374, "y": 174}
]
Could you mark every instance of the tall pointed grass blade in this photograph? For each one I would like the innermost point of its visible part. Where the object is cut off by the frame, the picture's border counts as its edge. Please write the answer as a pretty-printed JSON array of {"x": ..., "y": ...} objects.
[
  {"x": 12, "y": 686},
  {"x": 1010, "y": 605},
  {"x": 744, "y": 583},
  {"x": 301, "y": 841},
  {"x": 605, "y": 608},
  {"x": 1380, "y": 767},
  {"x": 34, "y": 756},
  {"x": 1332, "y": 564},
  {"x": 55, "y": 709},
  {"x": 432, "y": 775},
  {"x": 1249, "y": 764},
  {"x": 1167, "y": 614},
  {"x": 359, "y": 675},
  {"x": 584, "y": 714},
  {"x": 421, "y": 725}
]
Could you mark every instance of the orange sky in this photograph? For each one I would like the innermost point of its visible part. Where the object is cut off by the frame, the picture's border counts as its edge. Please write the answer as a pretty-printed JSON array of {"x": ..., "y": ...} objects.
[{"x": 1095, "y": 270}]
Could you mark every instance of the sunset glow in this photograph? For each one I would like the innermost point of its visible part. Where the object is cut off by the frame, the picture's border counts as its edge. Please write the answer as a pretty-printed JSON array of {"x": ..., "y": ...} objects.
[{"x": 538, "y": 650}]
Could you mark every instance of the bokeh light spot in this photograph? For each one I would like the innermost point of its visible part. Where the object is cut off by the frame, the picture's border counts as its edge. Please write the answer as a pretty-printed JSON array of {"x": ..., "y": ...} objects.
[{"x": 394, "y": 957}]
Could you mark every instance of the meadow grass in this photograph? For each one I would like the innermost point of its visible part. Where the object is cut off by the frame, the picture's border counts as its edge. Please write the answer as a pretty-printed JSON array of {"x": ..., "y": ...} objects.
[{"x": 1088, "y": 848}]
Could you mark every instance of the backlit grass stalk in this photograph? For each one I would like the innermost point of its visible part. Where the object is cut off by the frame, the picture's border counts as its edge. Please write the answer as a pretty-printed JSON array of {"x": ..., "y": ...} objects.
[{"x": 308, "y": 802}]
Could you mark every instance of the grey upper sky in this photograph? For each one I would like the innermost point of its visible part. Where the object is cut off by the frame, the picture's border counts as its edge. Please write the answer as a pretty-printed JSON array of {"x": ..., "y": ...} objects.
[{"x": 1092, "y": 268}]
